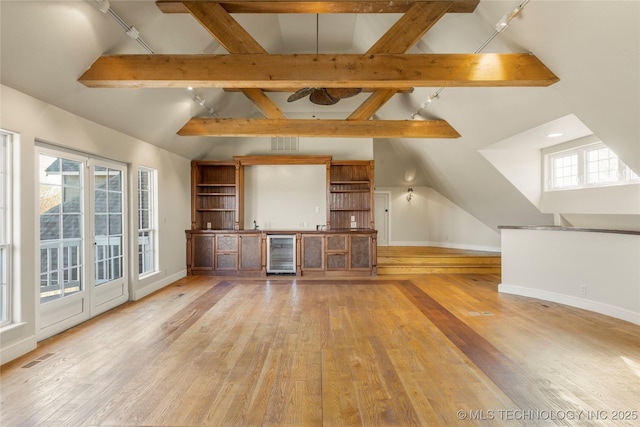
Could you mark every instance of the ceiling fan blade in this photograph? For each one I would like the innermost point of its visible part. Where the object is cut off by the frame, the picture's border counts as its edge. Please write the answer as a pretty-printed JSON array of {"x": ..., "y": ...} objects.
[
  {"x": 343, "y": 92},
  {"x": 301, "y": 93},
  {"x": 321, "y": 97}
]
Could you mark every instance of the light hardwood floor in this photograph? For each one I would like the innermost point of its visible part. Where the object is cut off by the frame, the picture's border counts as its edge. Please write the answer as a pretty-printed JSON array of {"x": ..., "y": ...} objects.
[{"x": 432, "y": 350}]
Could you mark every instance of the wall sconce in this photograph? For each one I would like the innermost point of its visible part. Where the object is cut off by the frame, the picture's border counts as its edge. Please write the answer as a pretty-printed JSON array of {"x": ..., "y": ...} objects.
[{"x": 409, "y": 194}]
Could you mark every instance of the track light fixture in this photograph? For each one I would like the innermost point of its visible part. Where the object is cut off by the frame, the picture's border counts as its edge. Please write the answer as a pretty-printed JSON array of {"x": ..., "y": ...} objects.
[
  {"x": 103, "y": 5},
  {"x": 502, "y": 25},
  {"x": 134, "y": 34},
  {"x": 201, "y": 101}
]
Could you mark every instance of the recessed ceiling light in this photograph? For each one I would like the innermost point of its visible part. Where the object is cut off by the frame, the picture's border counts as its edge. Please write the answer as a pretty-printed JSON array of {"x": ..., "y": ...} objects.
[{"x": 554, "y": 135}]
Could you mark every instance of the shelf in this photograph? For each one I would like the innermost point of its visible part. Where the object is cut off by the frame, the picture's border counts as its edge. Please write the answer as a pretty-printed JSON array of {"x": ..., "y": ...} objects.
[
  {"x": 348, "y": 182},
  {"x": 350, "y": 191},
  {"x": 216, "y": 194},
  {"x": 215, "y": 210},
  {"x": 215, "y": 185},
  {"x": 350, "y": 209}
]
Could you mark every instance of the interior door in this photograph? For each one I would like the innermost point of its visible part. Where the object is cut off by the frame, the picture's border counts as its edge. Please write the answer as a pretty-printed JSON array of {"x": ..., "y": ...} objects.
[
  {"x": 381, "y": 215},
  {"x": 109, "y": 224}
]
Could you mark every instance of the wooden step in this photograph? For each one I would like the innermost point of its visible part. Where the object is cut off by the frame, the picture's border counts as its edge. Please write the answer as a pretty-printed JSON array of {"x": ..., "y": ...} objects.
[{"x": 407, "y": 260}]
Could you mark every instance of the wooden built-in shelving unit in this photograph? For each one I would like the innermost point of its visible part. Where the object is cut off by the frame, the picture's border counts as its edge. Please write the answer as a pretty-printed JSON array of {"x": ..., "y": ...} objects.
[
  {"x": 216, "y": 195},
  {"x": 217, "y": 243},
  {"x": 350, "y": 195}
]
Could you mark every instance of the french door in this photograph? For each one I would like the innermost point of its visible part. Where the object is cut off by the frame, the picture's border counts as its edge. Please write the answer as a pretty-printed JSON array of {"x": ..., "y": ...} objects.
[{"x": 83, "y": 247}]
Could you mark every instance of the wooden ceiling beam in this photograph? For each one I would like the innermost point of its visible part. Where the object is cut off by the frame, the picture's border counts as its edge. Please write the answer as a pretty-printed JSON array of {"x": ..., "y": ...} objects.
[
  {"x": 398, "y": 39},
  {"x": 301, "y": 6},
  {"x": 233, "y": 37},
  {"x": 261, "y": 71},
  {"x": 223, "y": 127},
  {"x": 293, "y": 89}
]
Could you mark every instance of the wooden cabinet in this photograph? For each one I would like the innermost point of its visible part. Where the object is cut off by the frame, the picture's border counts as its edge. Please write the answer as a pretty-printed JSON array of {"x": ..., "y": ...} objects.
[
  {"x": 250, "y": 256},
  {"x": 350, "y": 195},
  {"x": 337, "y": 253},
  {"x": 360, "y": 252},
  {"x": 312, "y": 257},
  {"x": 226, "y": 254},
  {"x": 200, "y": 250},
  {"x": 216, "y": 194},
  {"x": 243, "y": 253}
]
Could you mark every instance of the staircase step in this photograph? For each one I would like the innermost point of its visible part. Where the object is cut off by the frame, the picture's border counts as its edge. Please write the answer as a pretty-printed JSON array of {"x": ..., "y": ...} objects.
[{"x": 407, "y": 260}]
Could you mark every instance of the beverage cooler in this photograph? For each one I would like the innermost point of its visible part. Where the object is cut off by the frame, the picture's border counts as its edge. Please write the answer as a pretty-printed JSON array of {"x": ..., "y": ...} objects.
[{"x": 281, "y": 254}]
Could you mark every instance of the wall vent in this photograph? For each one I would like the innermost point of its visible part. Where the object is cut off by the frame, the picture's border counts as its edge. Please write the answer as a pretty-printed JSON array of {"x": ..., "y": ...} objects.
[{"x": 284, "y": 143}]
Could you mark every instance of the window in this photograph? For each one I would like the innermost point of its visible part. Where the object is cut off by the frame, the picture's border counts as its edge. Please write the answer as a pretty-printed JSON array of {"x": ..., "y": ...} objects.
[
  {"x": 5, "y": 222},
  {"x": 587, "y": 165},
  {"x": 146, "y": 221}
]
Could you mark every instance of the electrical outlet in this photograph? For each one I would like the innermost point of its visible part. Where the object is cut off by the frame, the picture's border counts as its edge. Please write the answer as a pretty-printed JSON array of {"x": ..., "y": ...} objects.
[
  {"x": 208, "y": 226},
  {"x": 583, "y": 289}
]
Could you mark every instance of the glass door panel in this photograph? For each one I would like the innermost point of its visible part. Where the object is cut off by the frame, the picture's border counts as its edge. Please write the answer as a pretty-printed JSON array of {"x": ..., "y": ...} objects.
[
  {"x": 108, "y": 224},
  {"x": 110, "y": 286},
  {"x": 60, "y": 227}
]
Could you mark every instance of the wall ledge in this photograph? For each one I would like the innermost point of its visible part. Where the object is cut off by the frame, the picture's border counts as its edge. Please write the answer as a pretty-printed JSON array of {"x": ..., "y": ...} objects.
[
  {"x": 448, "y": 245},
  {"x": 559, "y": 228},
  {"x": 572, "y": 301}
]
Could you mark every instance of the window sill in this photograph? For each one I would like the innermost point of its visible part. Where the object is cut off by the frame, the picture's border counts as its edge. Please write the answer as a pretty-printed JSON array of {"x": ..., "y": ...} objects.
[{"x": 11, "y": 327}]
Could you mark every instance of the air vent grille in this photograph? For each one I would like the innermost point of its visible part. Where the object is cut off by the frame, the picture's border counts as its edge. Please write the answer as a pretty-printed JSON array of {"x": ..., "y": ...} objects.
[{"x": 284, "y": 143}]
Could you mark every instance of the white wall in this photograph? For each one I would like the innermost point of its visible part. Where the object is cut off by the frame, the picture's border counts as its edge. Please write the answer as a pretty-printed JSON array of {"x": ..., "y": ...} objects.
[
  {"x": 34, "y": 120},
  {"x": 285, "y": 197},
  {"x": 338, "y": 148},
  {"x": 430, "y": 219},
  {"x": 597, "y": 271}
]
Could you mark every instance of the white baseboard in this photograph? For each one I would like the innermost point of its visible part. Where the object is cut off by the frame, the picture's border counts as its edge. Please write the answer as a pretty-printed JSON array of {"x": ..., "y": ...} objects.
[
  {"x": 15, "y": 350},
  {"x": 448, "y": 245},
  {"x": 155, "y": 286},
  {"x": 572, "y": 301}
]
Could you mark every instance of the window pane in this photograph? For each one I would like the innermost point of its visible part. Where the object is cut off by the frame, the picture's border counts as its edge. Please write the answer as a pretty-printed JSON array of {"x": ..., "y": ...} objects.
[
  {"x": 100, "y": 201},
  {"x": 602, "y": 166},
  {"x": 146, "y": 243},
  {"x": 115, "y": 202},
  {"x": 115, "y": 183},
  {"x": 71, "y": 200},
  {"x": 71, "y": 226},
  {"x": 50, "y": 198},
  {"x": 49, "y": 227},
  {"x": 565, "y": 171},
  {"x": 100, "y": 178}
]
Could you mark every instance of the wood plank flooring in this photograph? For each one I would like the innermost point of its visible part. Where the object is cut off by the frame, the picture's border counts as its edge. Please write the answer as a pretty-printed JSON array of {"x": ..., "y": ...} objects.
[{"x": 431, "y": 350}]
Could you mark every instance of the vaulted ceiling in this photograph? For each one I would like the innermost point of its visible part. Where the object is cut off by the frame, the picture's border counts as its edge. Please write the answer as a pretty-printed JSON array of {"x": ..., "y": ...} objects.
[{"x": 591, "y": 47}]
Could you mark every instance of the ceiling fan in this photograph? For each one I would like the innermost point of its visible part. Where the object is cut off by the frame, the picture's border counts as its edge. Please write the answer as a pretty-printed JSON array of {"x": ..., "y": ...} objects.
[{"x": 323, "y": 95}]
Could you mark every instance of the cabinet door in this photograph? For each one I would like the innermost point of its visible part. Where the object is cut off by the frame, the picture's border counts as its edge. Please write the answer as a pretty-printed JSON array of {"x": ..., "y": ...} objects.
[
  {"x": 202, "y": 250},
  {"x": 312, "y": 252},
  {"x": 360, "y": 253},
  {"x": 337, "y": 252},
  {"x": 250, "y": 252},
  {"x": 226, "y": 254}
]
